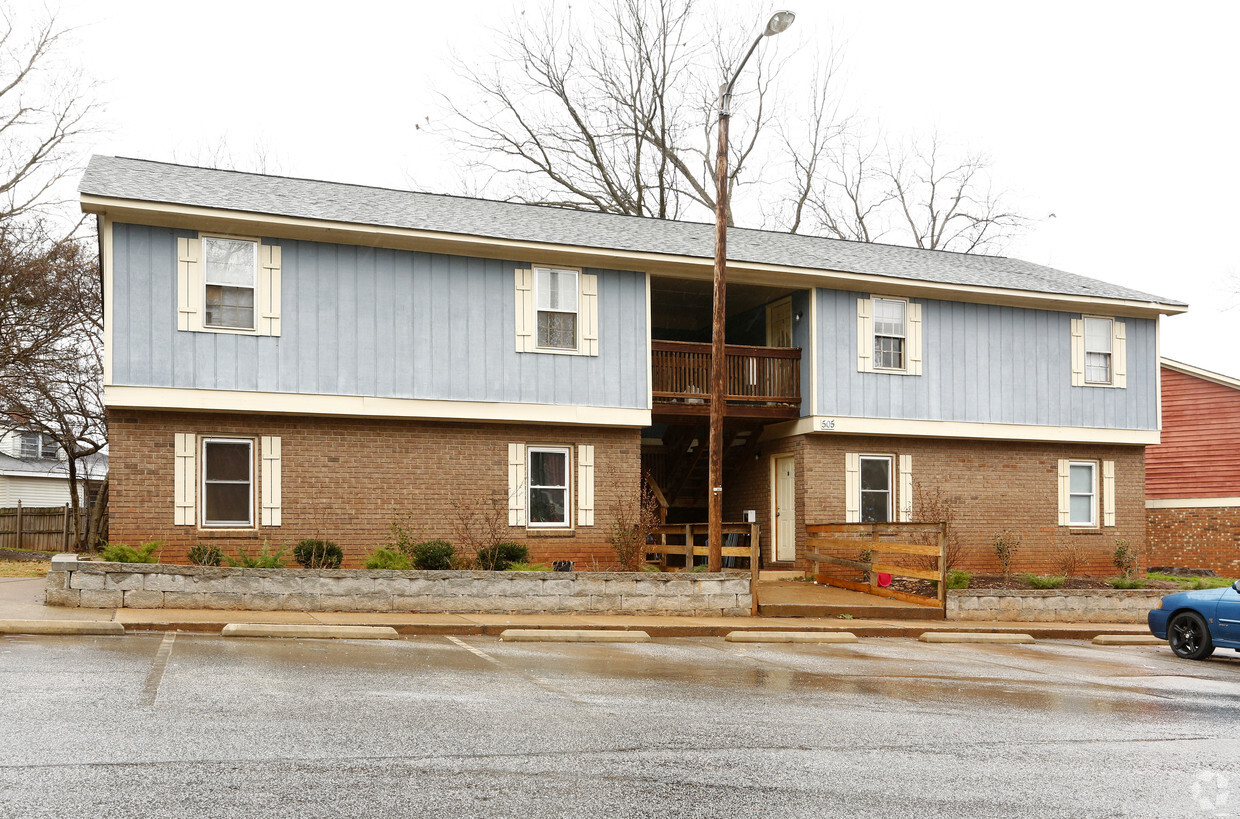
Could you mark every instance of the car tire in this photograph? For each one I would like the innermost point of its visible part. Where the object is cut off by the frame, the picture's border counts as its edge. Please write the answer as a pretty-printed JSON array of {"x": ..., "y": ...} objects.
[{"x": 1188, "y": 636}]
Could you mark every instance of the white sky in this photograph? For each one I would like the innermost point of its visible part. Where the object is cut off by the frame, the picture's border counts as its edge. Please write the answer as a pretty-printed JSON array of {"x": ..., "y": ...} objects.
[{"x": 1119, "y": 118}]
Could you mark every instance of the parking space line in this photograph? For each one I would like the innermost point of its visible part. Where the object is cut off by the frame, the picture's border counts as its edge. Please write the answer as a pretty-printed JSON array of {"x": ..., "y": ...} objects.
[
  {"x": 150, "y": 689},
  {"x": 543, "y": 685}
]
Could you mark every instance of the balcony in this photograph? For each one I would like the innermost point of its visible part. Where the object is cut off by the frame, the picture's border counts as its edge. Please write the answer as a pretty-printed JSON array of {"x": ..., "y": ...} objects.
[{"x": 762, "y": 382}]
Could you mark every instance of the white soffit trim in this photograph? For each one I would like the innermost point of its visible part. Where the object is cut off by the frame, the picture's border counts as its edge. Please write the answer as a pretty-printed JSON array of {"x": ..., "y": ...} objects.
[
  {"x": 360, "y": 406},
  {"x": 692, "y": 267},
  {"x": 1191, "y": 503},
  {"x": 839, "y": 425}
]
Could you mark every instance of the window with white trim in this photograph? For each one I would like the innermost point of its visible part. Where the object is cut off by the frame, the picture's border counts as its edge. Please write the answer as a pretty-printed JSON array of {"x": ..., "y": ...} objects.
[
  {"x": 875, "y": 489},
  {"x": 548, "y": 486},
  {"x": 1082, "y": 493},
  {"x": 1099, "y": 334},
  {"x": 38, "y": 445},
  {"x": 230, "y": 282},
  {"x": 555, "y": 297},
  {"x": 890, "y": 333},
  {"x": 227, "y": 483}
]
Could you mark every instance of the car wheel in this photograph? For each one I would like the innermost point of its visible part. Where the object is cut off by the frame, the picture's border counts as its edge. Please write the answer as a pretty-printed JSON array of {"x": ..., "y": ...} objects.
[{"x": 1189, "y": 637}]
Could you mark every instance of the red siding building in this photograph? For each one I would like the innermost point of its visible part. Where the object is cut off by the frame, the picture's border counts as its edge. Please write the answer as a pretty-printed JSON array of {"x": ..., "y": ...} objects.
[{"x": 1192, "y": 478}]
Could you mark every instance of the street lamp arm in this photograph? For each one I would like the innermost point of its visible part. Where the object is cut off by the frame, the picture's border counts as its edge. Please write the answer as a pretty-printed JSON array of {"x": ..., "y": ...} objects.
[{"x": 725, "y": 95}]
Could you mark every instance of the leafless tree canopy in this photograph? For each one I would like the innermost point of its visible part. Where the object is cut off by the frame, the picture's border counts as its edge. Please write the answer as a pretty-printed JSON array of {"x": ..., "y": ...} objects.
[{"x": 618, "y": 115}]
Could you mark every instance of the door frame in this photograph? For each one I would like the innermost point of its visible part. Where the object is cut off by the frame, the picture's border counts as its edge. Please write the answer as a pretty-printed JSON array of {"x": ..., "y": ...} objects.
[
  {"x": 770, "y": 308},
  {"x": 774, "y": 468}
]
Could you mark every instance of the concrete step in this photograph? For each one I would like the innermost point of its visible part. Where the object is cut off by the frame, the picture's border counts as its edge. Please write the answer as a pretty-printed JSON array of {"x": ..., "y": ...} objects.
[{"x": 858, "y": 612}]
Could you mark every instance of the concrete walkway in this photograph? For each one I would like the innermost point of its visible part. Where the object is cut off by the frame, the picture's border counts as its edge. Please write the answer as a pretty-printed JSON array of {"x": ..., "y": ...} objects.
[{"x": 22, "y": 599}]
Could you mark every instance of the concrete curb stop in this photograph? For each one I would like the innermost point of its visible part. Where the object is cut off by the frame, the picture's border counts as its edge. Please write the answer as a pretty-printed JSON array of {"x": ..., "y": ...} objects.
[
  {"x": 975, "y": 637},
  {"x": 1128, "y": 640},
  {"x": 61, "y": 627},
  {"x": 790, "y": 637},
  {"x": 312, "y": 631},
  {"x": 551, "y": 635}
]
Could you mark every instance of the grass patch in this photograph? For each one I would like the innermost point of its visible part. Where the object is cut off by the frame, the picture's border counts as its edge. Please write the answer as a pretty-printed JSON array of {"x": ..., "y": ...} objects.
[
  {"x": 528, "y": 567},
  {"x": 23, "y": 568},
  {"x": 1043, "y": 581},
  {"x": 1126, "y": 582},
  {"x": 1193, "y": 583},
  {"x": 957, "y": 579}
]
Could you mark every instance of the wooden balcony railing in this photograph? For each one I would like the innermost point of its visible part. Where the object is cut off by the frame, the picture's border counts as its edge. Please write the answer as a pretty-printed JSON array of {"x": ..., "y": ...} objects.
[{"x": 756, "y": 376}]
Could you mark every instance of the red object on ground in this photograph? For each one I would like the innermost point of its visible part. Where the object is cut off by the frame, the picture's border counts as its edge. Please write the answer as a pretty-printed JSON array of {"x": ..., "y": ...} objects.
[{"x": 884, "y": 579}]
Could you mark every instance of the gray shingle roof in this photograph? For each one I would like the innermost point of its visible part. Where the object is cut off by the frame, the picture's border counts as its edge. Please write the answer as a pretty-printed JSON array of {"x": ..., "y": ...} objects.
[
  {"x": 332, "y": 201},
  {"x": 96, "y": 466}
]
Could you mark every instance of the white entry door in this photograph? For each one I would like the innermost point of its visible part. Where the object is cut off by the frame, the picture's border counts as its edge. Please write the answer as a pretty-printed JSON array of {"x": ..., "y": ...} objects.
[
  {"x": 783, "y": 504},
  {"x": 779, "y": 324}
]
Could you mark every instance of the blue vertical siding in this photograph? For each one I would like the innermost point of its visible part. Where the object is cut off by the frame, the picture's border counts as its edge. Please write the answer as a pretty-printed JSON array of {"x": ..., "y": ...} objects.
[{"x": 374, "y": 322}]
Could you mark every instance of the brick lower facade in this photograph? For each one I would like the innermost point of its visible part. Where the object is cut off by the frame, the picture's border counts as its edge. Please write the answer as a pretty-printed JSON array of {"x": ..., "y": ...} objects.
[
  {"x": 346, "y": 479},
  {"x": 1200, "y": 538},
  {"x": 997, "y": 485}
]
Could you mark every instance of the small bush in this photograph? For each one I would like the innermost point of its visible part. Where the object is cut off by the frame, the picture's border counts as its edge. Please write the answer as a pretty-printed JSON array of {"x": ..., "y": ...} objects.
[
  {"x": 499, "y": 557},
  {"x": 957, "y": 579},
  {"x": 388, "y": 559},
  {"x": 318, "y": 554},
  {"x": 1070, "y": 558},
  {"x": 204, "y": 554},
  {"x": 1043, "y": 581},
  {"x": 432, "y": 555},
  {"x": 1126, "y": 582},
  {"x": 529, "y": 567},
  {"x": 120, "y": 553},
  {"x": 1124, "y": 558},
  {"x": 265, "y": 559},
  {"x": 1006, "y": 544},
  {"x": 649, "y": 567},
  {"x": 701, "y": 567}
]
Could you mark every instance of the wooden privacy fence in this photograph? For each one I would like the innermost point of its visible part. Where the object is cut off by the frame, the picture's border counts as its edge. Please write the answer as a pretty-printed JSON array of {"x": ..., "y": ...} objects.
[
  {"x": 43, "y": 528},
  {"x": 853, "y": 555}
]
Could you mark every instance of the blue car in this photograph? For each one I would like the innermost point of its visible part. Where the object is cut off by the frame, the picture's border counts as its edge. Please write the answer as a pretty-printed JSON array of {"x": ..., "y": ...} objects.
[{"x": 1195, "y": 623}]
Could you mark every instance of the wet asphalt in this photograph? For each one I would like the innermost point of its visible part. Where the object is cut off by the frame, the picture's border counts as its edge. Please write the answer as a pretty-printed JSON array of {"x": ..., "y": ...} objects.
[{"x": 183, "y": 725}]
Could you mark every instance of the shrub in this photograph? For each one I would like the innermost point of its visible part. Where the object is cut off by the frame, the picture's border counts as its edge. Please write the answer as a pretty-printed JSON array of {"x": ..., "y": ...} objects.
[
  {"x": 529, "y": 567},
  {"x": 701, "y": 567},
  {"x": 265, "y": 559},
  {"x": 1043, "y": 581},
  {"x": 204, "y": 554},
  {"x": 932, "y": 505},
  {"x": 1070, "y": 558},
  {"x": 499, "y": 557},
  {"x": 432, "y": 554},
  {"x": 1126, "y": 582},
  {"x": 1124, "y": 558},
  {"x": 120, "y": 553},
  {"x": 635, "y": 517},
  {"x": 648, "y": 567},
  {"x": 957, "y": 579},
  {"x": 388, "y": 559},
  {"x": 318, "y": 554},
  {"x": 1006, "y": 545}
]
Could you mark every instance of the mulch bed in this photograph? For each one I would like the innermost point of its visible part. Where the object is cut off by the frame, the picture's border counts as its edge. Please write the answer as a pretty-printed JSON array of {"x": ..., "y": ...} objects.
[{"x": 997, "y": 581}]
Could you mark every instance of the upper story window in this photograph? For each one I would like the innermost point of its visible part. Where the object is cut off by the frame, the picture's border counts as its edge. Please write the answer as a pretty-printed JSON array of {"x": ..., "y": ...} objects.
[
  {"x": 230, "y": 277},
  {"x": 38, "y": 445},
  {"x": 555, "y": 293},
  {"x": 1098, "y": 341},
  {"x": 228, "y": 482},
  {"x": 890, "y": 332}
]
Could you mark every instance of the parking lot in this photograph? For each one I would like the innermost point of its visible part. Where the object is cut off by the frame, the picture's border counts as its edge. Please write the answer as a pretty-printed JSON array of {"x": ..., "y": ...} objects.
[{"x": 181, "y": 725}]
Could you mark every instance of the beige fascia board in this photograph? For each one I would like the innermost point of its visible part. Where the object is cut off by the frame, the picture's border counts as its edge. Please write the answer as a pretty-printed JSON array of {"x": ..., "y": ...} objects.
[
  {"x": 1197, "y": 372},
  {"x": 1191, "y": 503},
  {"x": 689, "y": 267},
  {"x": 360, "y": 406},
  {"x": 959, "y": 429}
]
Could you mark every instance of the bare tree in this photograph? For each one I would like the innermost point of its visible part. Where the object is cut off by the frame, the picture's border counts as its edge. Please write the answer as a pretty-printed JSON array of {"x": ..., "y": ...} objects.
[{"x": 619, "y": 116}]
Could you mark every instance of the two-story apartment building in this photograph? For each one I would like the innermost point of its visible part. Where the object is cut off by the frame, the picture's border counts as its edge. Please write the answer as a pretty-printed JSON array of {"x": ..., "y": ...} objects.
[{"x": 290, "y": 358}]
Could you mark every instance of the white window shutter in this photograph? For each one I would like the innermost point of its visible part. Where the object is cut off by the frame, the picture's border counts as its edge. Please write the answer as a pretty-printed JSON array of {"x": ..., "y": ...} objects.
[
  {"x": 271, "y": 480},
  {"x": 184, "y": 478},
  {"x": 865, "y": 335},
  {"x": 525, "y": 311},
  {"x": 589, "y": 314},
  {"x": 269, "y": 290},
  {"x": 1108, "y": 493},
  {"x": 1078, "y": 355},
  {"x": 914, "y": 338},
  {"x": 585, "y": 485},
  {"x": 852, "y": 487},
  {"x": 189, "y": 284},
  {"x": 906, "y": 488},
  {"x": 1065, "y": 499},
  {"x": 1119, "y": 354},
  {"x": 516, "y": 485}
]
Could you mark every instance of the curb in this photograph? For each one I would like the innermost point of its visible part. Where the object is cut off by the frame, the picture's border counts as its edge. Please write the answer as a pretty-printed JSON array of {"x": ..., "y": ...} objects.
[
  {"x": 790, "y": 637},
  {"x": 1128, "y": 640},
  {"x": 286, "y": 630},
  {"x": 60, "y": 627},
  {"x": 963, "y": 637},
  {"x": 552, "y": 635}
]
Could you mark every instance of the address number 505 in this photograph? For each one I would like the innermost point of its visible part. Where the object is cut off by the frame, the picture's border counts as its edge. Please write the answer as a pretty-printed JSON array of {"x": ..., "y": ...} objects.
[{"x": 826, "y": 423}]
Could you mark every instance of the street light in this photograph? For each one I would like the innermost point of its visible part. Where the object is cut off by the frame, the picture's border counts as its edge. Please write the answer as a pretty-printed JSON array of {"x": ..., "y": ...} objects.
[{"x": 718, "y": 365}]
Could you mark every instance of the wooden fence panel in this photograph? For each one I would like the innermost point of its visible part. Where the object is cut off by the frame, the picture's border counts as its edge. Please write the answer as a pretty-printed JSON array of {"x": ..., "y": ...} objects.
[{"x": 41, "y": 528}]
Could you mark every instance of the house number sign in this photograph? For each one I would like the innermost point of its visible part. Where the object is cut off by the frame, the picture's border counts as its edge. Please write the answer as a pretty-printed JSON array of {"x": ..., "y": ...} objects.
[{"x": 827, "y": 424}]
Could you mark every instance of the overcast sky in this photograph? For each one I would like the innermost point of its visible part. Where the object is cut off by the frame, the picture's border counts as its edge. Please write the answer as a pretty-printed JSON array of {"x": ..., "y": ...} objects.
[{"x": 1121, "y": 119}]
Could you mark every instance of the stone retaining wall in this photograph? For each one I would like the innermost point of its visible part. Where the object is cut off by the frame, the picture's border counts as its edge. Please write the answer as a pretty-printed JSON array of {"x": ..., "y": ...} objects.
[
  {"x": 93, "y": 584},
  {"x": 1062, "y": 605}
]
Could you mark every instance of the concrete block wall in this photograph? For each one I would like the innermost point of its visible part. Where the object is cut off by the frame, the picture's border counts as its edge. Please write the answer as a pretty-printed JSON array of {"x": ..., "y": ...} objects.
[
  {"x": 1059, "y": 605},
  {"x": 91, "y": 584}
]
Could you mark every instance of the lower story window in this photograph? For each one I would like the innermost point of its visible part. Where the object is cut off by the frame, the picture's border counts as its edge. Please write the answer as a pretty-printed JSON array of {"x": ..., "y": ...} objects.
[
  {"x": 227, "y": 482},
  {"x": 1082, "y": 493},
  {"x": 548, "y": 482},
  {"x": 875, "y": 489}
]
